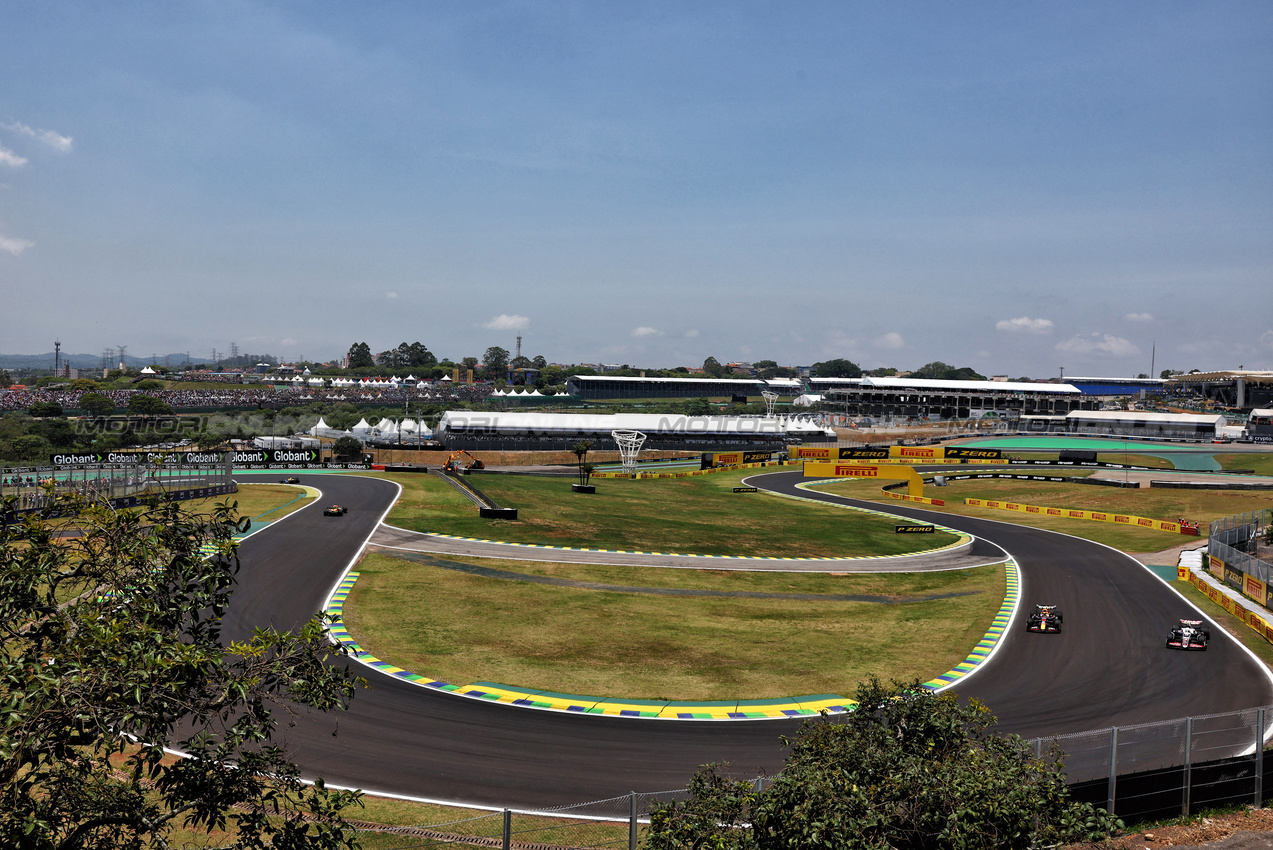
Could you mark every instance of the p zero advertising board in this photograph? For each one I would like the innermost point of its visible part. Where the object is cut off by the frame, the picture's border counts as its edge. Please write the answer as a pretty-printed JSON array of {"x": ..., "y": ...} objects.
[{"x": 961, "y": 452}]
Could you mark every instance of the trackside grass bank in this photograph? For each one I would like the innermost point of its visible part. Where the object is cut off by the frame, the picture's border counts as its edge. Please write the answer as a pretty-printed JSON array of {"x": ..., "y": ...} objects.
[
  {"x": 687, "y": 515},
  {"x": 636, "y": 644}
]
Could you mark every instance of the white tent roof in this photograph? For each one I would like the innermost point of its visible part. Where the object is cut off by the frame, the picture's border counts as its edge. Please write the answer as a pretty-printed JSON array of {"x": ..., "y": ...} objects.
[
  {"x": 363, "y": 427},
  {"x": 806, "y": 400},
  {"x": 465, "y": 421}
]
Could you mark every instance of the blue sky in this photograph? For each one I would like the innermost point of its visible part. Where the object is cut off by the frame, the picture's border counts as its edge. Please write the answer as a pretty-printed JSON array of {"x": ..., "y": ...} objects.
[{"x": 1014, "y": 187}]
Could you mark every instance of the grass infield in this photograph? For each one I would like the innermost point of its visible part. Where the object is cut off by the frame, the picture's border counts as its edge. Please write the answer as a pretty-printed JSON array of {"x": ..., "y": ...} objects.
[
  {"x": 1201, "y": 506},
  {"x": 1261, "y": 462},
  {"x": 463, "y": 628},
  {"x": 701, "y": 515},
  {"x": 269, "y": 502}
]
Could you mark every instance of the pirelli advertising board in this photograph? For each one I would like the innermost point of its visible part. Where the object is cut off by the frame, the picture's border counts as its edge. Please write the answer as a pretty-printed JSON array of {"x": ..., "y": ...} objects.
[
  {"x": 837, "y": 453},
  {"x": 915, "y": 484},
  {"x": 909, "y": 454},
  {"x": 1073, "y": 513}
]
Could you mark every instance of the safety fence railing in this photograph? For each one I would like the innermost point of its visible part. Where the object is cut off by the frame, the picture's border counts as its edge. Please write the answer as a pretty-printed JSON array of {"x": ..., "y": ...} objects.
[
  {"x": 1170, "y": 768},
  {"x": 618, "y": 822},
  {"x": 1237, "y": 541}
]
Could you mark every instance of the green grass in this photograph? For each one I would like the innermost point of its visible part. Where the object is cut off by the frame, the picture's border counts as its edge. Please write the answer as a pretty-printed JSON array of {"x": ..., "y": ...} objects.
[
  {"x": 700, "y": 515},
  {"x": 1201, "y": 506},
  {"x": 1261, "y": 462},
  {"x": 258, "y": 499},
  {"x": 464, "y": 628}
]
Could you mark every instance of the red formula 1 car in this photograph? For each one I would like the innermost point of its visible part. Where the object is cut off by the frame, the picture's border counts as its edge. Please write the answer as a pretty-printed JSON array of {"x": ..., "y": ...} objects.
[
  {"x": 1189, "y": 634},
  {"x": 1044, "y": 618}
]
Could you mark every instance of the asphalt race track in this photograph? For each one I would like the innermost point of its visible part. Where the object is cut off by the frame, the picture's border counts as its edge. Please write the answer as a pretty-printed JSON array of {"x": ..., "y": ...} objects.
[{"x": 1108, "y": 667}]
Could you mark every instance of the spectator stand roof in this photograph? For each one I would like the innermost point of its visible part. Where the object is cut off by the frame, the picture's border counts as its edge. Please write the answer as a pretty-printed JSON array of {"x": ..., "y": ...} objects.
[
  {"x": 933, "y": 385},
  {"x": 551, "y": 424}
]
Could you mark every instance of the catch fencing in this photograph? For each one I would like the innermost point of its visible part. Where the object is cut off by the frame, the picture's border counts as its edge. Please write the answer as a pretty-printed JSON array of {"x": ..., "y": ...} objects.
[
  {"x": 1235, "y": 540},
  {"x": 618, "y": 822},
  {"x": 1155, "y": 771},
  {"x": 1149, "y": 771}
]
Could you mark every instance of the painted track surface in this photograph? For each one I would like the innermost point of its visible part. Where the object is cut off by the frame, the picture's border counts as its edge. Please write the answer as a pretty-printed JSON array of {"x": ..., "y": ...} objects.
[{"x": 1108, "y": 667}]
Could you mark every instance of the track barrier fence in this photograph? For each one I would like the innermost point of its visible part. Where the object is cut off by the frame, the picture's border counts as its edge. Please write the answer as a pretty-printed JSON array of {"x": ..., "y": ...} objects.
[
  {"x": 617, "y": 822},
  {"x": 1173, "y": 768},
  {"x": 1145, "y": 772}
]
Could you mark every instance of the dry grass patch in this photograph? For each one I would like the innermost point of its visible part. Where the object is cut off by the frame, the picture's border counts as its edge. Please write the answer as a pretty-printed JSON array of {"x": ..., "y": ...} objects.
[{"x": 464, "y": 628}]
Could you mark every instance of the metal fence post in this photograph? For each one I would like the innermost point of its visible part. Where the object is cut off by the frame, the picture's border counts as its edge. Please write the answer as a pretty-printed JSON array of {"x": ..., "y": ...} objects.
[
  {"x": 1259, "y": 758},
  {"x": 508, "y": 829},
  {"x": 1184, "y": 797},
  {"x": 1113, "y": 769},
  {"x": 632, "y": 821}
]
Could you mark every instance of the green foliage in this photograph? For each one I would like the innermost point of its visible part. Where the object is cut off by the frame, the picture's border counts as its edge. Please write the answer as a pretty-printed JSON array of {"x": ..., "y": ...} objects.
[
  {"x": 46, "y": 408},
  {"x": 360, "y": 356},
  {"x": 907, "y": 768},
  {"x": 113, "y": 636},
  {"x": 940, "y": 371},
  {"x": 148, "y": 405},
  {"x": 837, "y": 368},
  {"x": 496, "y": 362},
  {"x": 347, "y": 449},
  {"x": 698, "y": 407},
  {"x": 150, "y": 384},
  {"x": 96, "y": 404},
  {"x": 6, "y": 380},
  {"x": 713, "y": 367}
]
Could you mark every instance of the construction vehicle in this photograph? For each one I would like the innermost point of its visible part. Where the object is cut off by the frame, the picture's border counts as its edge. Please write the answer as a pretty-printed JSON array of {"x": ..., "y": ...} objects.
[{"x": 453, "y": 463}]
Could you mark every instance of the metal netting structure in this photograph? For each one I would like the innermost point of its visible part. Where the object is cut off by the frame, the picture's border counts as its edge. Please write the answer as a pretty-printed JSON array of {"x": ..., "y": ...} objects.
[
  {"x": 630, "y": 443},
  {"x": 770, "y": 397}
]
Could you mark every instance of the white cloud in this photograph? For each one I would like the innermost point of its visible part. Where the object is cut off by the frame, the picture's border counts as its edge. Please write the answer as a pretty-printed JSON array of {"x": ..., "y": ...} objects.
[
  {"x": 54, "y": 140},
  {"x": 1139, "y": 317},
  {"x": 14, "y": 246},
  {"x": 287, "y": 342},
  {"x": 892, "y": 339},
  {"x": 1025, "y": 325},
  {"x": 643, "y": 332},
  {"x": 391, "y": 295},
  {"x": 8, "y": 157},
  {"x": 1114, "y": 346},
  {"x": 692, "y": 333},
  {"x": 505, "y": 322}
]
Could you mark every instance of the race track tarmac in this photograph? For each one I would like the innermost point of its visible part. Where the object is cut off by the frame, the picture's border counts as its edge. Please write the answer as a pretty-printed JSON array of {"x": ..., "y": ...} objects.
[{"x": 1108, "y": 667}]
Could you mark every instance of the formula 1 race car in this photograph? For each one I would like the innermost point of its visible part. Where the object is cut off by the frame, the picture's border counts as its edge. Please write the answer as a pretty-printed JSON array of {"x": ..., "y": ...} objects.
[
  {"x": 336, "y": 510},
  {"x": 1188, "y": 635},
  {"x": 1044, "y": 618},
  {"x": 292, "y": 480}
]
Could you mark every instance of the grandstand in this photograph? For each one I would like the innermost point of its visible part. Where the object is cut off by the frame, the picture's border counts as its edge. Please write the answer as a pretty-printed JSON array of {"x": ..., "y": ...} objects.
[
  {"x": 1238, "y": 388},
  {"x": 1119, "y": 386},
  {"x": 1124, "y": 423},
  {"x": 924, "y": 398},
  {"x": 587, "y": 387},
  {"x": 539, "y": 431}
]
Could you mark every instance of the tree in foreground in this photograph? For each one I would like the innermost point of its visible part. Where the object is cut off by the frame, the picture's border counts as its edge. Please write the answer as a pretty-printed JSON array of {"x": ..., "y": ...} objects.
[
  {"x": 113, "y": 652},
  {"x": 907, "y": 768}
]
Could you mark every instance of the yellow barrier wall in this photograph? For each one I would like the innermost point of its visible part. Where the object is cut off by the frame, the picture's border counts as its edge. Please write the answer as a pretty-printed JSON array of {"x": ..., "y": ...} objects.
[
  {"x": 1253, "y": 621},
  {"x": 1071, "y": 513}
]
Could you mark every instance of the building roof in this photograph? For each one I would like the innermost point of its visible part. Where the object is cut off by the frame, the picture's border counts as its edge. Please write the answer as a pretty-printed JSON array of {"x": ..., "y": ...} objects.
[
  {"x": 751, "y": 382},
  {"x": 968, "y": 386},
  {"x": 1141, "y": 416}
]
